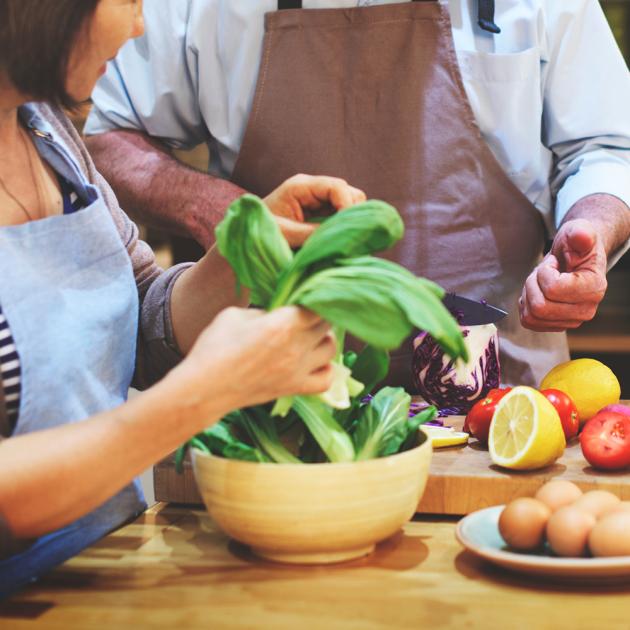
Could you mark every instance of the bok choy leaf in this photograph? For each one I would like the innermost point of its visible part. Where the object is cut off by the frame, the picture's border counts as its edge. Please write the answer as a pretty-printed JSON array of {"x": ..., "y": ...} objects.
[
  {"x": 330, "y": 436},
  {"x": 382, "y": 425},
  {"x": 363, "y": 293},
  {"x": 250, "y": 240},
  {"x": 368, "y": 227}
]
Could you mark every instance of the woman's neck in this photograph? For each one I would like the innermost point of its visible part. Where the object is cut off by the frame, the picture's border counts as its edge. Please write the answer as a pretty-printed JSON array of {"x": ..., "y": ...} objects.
[{"x": 10, "y": 100}]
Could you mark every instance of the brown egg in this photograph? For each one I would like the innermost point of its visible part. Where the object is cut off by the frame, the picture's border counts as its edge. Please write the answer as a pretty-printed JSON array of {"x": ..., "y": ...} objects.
[
  {"x": 558, "y": 493},
  {"x": 522, "y": 523},
  {"x": 597, "y": 502},
  {"x": 622, "y": 506},
  {"x": 568, "y": 530},
  {"x": 611, "y": 535}
]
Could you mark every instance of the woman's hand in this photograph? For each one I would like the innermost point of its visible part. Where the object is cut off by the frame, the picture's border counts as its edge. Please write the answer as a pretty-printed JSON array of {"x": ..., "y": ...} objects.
[
  {"x": 246, "y": 357},
  {"x": 308, "y": 192}
]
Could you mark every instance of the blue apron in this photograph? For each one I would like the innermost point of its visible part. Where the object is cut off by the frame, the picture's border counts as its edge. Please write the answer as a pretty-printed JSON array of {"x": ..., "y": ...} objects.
[{"x": 70, "y": 297}]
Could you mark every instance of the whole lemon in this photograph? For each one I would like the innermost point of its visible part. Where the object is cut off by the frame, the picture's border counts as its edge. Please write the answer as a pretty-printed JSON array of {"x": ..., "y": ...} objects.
[{"x": 590, "y": 384}]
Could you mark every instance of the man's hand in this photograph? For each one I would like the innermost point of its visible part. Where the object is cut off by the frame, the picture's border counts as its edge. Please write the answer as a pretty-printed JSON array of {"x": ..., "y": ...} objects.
[
  {"x": 565, "y": 289},
  {"x": 306, "y": 192}
]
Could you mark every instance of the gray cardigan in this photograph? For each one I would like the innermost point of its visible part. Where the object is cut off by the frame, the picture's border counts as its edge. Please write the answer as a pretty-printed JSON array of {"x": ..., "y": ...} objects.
[{"x": 157, "y": 350}]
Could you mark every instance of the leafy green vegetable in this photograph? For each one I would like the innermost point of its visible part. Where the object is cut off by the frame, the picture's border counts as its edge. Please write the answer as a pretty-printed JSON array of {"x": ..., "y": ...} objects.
[
  {"x": 330, "y": 436},
  {"x": 378, "y": 301},
  {"x": 250, "y": 240},
  {"x": 362, "y": 293},
  {"x": 382, "y": 425},
  {"x": 369, "y": 367},
  {"x": 414, "y": 423},
  {"x": 372, "y": 226},
  {"x": 219, "y": 440},
  {"x": 261, "y": 428}
]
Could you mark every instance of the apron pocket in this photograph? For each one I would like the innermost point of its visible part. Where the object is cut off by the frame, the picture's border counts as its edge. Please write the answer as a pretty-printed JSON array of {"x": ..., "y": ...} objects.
[{"x": 506, "y": 95}]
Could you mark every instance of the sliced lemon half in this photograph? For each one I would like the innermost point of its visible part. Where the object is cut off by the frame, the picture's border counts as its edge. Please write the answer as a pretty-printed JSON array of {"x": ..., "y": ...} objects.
[
  {"x": 525, "y": 432},
  {"x": 444, "y": 436}
]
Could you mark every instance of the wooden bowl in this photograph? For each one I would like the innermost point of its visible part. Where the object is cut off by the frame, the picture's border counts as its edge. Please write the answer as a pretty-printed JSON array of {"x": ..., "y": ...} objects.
[{"x": 313, "y": 513}]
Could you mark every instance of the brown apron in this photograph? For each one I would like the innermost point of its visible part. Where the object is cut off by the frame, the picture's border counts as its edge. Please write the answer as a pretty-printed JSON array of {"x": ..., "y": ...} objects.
[{"x": 374, "y": 95}]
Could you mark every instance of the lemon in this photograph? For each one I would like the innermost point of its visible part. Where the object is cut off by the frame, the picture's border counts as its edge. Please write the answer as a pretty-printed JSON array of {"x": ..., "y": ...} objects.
[
  {"x": 444, "y": 436},
  {"x": 525, "y": 432},
  {"x": 589, "y": 383}
]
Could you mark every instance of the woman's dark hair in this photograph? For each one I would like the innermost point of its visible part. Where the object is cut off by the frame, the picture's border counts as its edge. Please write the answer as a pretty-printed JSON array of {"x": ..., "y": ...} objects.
[{"x": 36, "y": 40}]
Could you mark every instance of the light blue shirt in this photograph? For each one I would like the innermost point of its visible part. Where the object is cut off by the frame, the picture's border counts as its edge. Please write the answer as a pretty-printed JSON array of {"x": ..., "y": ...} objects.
[{"x": 551, "y": 92}]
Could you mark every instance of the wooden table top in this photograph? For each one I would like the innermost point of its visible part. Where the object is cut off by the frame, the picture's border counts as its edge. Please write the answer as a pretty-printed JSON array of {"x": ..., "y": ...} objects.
[{"x": 173, "y": 568}]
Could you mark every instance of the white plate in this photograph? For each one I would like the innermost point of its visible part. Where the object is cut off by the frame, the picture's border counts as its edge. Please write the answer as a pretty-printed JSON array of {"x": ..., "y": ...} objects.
[{"x": 479, "y": 533}]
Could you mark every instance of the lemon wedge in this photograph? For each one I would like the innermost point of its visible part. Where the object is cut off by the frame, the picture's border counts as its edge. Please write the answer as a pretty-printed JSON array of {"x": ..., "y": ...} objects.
[
  {"x": 444, "y": 436},
  {"x": 525, "y": 432}
]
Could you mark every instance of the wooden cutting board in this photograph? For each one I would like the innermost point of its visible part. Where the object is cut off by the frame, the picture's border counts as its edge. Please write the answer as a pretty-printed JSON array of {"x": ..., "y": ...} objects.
[
  {"x": 461, "y": 479},
  {"x": 464, "y": 479}
]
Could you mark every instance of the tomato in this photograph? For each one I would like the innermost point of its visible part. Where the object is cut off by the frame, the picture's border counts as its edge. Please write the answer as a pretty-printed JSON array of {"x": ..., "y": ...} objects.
[
  {"x": 566, "y": 410},
  {"x": 478, "y": 419},
  {"x": 605, "y": 441}
]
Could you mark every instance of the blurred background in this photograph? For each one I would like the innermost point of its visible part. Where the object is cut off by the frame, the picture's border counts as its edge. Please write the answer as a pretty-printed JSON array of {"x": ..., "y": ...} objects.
[{"x": 606, "y": 338}]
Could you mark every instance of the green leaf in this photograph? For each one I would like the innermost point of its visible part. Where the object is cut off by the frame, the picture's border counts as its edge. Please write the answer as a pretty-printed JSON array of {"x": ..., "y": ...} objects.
[
  {"x": 220, "y": 441},
  {"x": 414, "y": 423},
  {"x": 424, "y": 416},
  {"x": 250, "y": 240},
  {"x": 370, "y": 367},
  {"x": 363, "y": 293},
  {"x": 262, "y": 430},
  {"x": 282, "y": 406},
  {"x": 382, "y": 425},
  {"x": 330, "y": 436},
  {"x": 365, "y": 228},
  {"x": 371, "y": 226}
]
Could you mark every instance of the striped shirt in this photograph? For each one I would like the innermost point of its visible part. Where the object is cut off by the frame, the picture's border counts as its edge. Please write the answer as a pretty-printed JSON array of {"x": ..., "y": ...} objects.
[{"x": 10, "y": 371}]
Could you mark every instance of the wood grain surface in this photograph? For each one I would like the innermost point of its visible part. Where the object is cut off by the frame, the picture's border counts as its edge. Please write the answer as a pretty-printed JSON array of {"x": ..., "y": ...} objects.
[
  {"x": 461, "y": 479},
  {"x": 172, "y": 568}
]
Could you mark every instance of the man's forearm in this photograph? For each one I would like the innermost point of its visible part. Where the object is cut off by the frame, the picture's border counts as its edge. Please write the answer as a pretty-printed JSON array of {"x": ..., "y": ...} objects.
[
  {"x": 156, "y": 189},
  {"x": 609, "y": 214}
]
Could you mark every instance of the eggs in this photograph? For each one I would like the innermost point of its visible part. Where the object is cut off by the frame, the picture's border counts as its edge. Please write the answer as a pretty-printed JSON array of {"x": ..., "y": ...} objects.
[
  {"x": 596, "y": 502},
  {"x": 569, "y": 522},
  {"x": 611, "y": 535},
  {"x": 522, "y": 523},
  {"x": 568, "y": 530},
  {"x": 558, "y": 493}
]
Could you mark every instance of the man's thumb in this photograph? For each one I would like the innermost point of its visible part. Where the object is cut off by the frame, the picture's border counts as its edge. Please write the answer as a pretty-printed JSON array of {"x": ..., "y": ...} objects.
[{"x": 580, "y": 241}]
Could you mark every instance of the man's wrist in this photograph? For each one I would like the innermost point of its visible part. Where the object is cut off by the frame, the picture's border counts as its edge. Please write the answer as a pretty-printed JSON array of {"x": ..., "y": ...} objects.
[
  {"x": 609, "y": 216},
  {"x": 205, "y": 212}
]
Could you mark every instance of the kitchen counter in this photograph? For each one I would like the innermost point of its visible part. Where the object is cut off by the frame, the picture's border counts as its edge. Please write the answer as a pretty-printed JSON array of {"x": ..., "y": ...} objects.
[{"x": 173, "y": 568}]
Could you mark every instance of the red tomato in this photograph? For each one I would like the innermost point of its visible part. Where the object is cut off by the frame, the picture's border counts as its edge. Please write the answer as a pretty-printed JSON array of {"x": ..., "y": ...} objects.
[
  {"x": 478, "y": 419},
  {"x": 605, "y": 441},
  {"x": 566, "y": 410}
]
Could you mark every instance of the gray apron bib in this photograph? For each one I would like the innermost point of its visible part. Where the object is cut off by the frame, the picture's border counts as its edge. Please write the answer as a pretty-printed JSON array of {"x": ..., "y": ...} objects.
[
  {"x": 374, "y": 95},
  {"x": 69, "y": 295}
]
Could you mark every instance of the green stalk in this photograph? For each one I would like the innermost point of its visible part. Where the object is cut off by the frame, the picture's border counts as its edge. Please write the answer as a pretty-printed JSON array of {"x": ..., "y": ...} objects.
[
  {"x": 328, "y": 433},
  {"x": 286, "y": 284},
  {"x": 262, "y": 431}
]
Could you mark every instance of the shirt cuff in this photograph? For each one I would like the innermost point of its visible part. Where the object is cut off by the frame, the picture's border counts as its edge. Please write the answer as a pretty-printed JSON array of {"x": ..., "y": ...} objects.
[{"x": 605, "y": 177}]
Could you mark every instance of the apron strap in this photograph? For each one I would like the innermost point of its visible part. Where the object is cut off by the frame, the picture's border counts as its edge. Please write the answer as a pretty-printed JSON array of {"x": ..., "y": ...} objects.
[{"x": 485, "y": 16}]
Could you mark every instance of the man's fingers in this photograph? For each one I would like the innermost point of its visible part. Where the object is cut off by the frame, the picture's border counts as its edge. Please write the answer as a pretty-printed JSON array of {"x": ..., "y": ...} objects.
[
  {"x": 294, "y": 231},
  {"x": 574, "y": 287},
  {"x": 314, "y": 191},
  {"x": 539, "y": 312}
]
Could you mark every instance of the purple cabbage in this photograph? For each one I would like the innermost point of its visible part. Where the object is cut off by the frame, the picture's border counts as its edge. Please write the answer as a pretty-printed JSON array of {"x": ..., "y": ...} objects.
[{"x": 452, "y": 388}]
